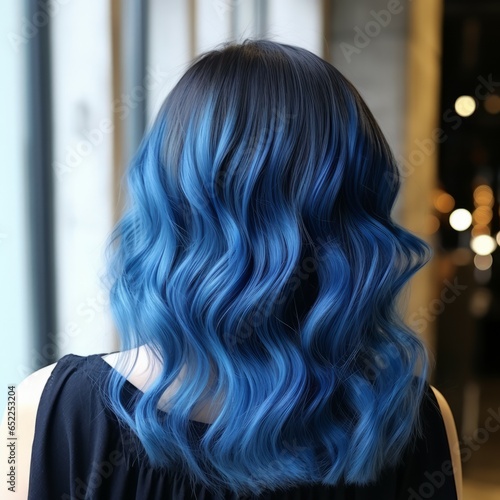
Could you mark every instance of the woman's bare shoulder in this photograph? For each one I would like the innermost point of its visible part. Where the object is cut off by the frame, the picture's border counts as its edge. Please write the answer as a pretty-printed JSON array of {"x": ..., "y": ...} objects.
[
  {"x": 138, "y": 365},
  {"x": 27, "y": 398}
]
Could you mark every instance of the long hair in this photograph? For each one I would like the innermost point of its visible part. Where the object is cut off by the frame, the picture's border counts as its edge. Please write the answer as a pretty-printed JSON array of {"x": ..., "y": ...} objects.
[{"x": 258, "y": 255}]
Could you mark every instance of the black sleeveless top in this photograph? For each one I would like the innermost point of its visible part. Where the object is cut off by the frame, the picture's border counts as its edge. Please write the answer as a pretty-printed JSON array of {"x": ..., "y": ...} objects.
[{"x": 79, "y": 453}]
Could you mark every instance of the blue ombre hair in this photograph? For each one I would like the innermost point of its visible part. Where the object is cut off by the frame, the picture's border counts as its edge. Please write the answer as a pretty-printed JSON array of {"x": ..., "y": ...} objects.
[{"x": 257, "y": 249}]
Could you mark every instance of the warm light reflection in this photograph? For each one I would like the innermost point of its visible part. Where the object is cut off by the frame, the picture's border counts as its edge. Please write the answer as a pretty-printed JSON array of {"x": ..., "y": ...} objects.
[
  {"x": 483, "y": 195},
  {"x": 492, "y": 104},
  {"x": 483, "y": 244},
  {"x": 482, "y": 298},
  {"x": 465, "y": 105},
  {"x": 483, "y": 262},
  {"x": 444, "y": 202},
  {"x": 460, "y": 219},
  {"x": 432, "y": 224},
  {"x": 479, "y": 229},
  {"x": 482, "y": 215}
]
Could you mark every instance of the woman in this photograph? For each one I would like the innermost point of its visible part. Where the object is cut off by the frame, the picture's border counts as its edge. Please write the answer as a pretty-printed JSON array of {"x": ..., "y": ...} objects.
[{"x": 254, "y": 283}]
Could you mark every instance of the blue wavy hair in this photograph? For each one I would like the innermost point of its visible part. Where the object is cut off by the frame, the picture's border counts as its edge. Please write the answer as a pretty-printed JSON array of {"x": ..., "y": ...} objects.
[{"x": 257, "y": 251}]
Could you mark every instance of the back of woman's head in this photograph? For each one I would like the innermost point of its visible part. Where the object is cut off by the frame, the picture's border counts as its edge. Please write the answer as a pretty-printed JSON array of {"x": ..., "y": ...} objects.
[{"x": 258, "y": 251}]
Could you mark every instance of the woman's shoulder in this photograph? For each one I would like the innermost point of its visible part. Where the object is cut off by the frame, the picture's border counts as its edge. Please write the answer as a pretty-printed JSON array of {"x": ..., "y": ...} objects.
[
  {"x": 431, "y": 466},
  {"x": 452, "y": 436},
  {"x": 28, "y": 394},
  {"x": 27, "y": 397}
]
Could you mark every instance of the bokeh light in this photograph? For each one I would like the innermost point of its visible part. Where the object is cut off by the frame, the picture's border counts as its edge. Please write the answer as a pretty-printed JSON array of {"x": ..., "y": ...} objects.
[
  {"x": 482, "y": 215},
  {"x": 483, "y": 244},
  {"x": 483, "y": 195},
  {"x": 492, "y": 104},
  {"x": 483, "y": 262},
  {"x": 460, "y": 219},
  {"x": 465, "y": 105},
  {"x": 443, "y": 202}
]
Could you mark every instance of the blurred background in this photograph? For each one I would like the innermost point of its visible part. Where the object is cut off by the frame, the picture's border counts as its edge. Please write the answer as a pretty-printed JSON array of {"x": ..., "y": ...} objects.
[{"x": 83, "y": 79}]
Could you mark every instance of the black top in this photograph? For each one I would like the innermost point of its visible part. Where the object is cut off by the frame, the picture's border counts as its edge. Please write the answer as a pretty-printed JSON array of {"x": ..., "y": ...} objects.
[{"x": 79, "y": 452}]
